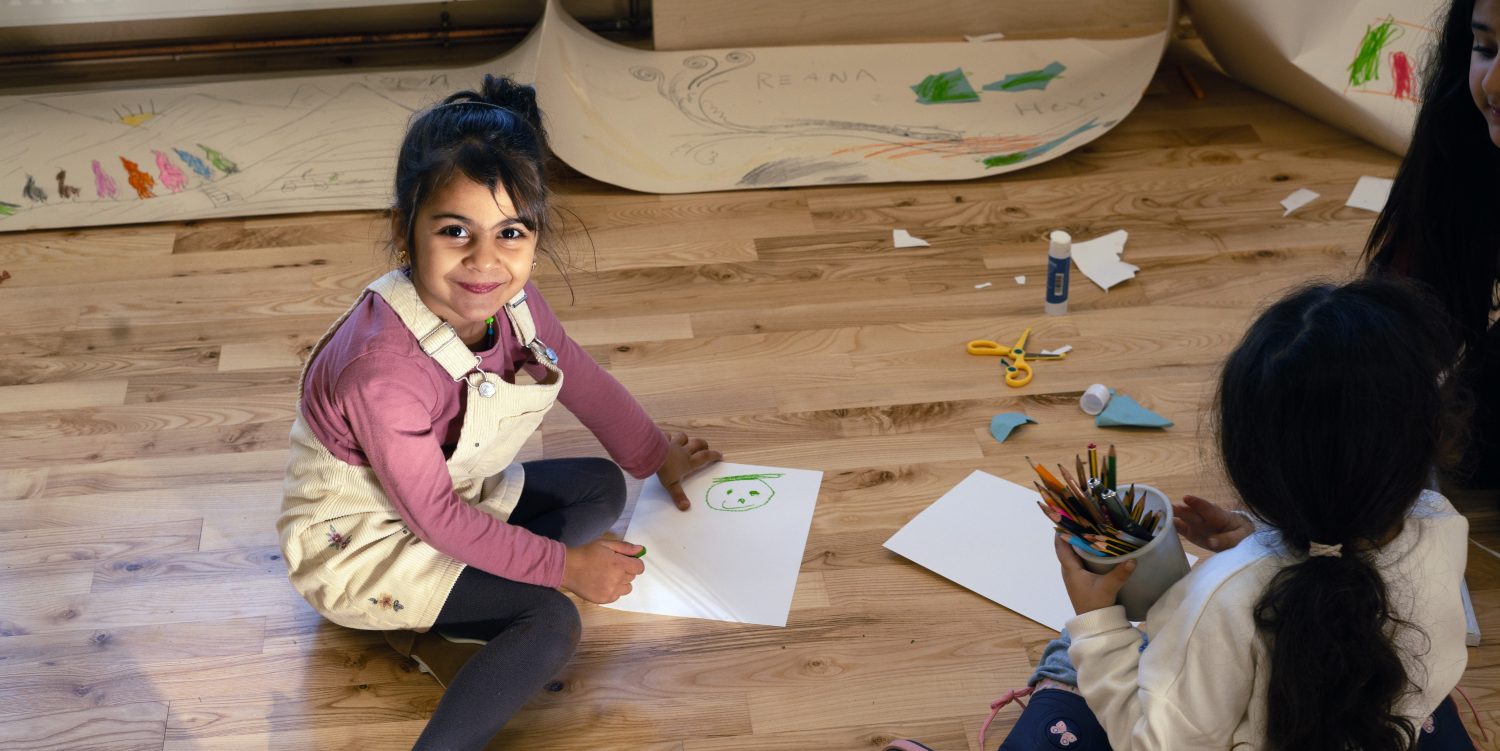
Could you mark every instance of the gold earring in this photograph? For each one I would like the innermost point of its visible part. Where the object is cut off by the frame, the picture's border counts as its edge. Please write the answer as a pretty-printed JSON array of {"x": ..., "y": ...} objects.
[{"x": 402, "y": 257}]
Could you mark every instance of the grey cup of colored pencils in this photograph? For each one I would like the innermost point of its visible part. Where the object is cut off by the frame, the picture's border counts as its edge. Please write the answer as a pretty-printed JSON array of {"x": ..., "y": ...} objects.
[
  {"x": 1159, "y": 563},
  {"x": 1109, "y": 523}
]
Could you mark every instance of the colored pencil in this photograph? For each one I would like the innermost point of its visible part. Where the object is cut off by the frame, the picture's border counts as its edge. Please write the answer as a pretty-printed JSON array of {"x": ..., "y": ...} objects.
[
  {"x": 1089, "y": 511},
  {"x": 1063, "y": 505},
  {"x": 1110, "y": 470},
  {"x": 1066, "y": 523},
  {"x": 1047, "y": 478},
  {"x": 1077, "y": 542},
  {"x": 1192, "y": 83}
]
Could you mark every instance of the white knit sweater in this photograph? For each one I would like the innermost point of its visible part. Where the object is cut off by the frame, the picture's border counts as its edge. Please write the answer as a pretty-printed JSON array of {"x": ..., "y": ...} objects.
[{"x": 1201, "y": 682}]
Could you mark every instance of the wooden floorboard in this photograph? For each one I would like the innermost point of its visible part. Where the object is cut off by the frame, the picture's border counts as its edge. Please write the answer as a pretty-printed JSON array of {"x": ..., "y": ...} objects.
[{"x": 147, "y": 385}]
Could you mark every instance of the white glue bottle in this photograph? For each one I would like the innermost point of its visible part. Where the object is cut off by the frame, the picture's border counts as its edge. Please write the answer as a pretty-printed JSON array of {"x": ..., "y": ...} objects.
[{"x": 1059, "y": 263}]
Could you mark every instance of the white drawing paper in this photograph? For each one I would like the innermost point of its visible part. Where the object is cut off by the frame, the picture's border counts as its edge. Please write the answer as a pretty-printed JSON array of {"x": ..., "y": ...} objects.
[
  {"x": 1099, "y": 259},
  {"x": 735, "y": 555},
  {"x": 986, "y": 535},
  {"x": 662, "y": 122},
  {"x": 1370, "y": 193},
  {"x": 1299, "y": 198},
  {"x": 1354, "y": 64}
]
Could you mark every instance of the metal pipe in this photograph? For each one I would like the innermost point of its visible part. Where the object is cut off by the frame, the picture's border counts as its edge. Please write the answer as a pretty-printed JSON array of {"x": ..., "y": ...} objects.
[{"x": 443, "y": 36}]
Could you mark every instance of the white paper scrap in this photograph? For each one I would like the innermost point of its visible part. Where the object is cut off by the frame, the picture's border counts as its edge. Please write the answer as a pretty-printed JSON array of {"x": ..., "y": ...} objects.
[
  {"x": 735, "y": 555},
  {"x": 1099, "y": 259},
  {"x": 903, "y": 239},
  {"x": 1063, "y": 350},
  {"x": 1370, "y": 193},
  {"x": 1021, "y": 279},
  {"x": 987, "y": 536},
  {"x": 982, "y": 286},
  {"x": 1299, "y": 198},
  {"x": 996, "y": 36}
]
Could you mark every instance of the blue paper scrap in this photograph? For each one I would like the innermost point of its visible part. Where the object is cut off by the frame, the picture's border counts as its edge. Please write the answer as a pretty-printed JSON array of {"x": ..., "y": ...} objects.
[
  {"x": 1122, "y": 411},
  {"x": 1002, "y": 424}
]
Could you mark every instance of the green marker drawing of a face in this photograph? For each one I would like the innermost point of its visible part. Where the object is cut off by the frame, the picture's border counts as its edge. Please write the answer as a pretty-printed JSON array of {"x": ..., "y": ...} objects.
[{"x": 740, "y": 492}]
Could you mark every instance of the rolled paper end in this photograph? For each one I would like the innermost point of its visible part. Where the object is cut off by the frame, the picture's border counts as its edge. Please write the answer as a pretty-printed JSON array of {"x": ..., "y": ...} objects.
[{"x": 1094, "y": 399}]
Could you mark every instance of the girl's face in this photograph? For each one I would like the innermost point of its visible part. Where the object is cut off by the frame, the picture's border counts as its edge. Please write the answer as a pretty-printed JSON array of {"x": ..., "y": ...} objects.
[
  {"x": 1484, "y": 81},
  {"x": 472, "y": 254}
]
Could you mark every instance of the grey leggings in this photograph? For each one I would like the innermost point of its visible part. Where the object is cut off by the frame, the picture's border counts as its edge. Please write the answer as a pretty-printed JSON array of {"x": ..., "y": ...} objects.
[{"x": 532, "y": 631}]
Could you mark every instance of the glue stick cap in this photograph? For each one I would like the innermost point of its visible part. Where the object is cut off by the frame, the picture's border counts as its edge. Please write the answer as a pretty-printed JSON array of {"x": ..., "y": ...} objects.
[
  {"x": 1094, "y": 399},
  {"x": 1060, "y": 244}
]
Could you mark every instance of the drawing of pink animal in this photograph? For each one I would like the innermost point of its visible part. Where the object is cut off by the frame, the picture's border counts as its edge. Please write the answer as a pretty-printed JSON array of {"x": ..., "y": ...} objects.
[
  {"x": 171, "y": 177},
  {"x": 103, "y": 184}
]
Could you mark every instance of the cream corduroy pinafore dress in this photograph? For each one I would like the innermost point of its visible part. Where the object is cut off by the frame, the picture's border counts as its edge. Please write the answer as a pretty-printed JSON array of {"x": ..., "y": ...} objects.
[{"x": 347, "y": 551}]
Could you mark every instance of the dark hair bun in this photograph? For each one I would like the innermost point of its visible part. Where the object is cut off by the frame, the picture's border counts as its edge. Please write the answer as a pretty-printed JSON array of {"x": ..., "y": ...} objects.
[{"x": 516, "y": 97}]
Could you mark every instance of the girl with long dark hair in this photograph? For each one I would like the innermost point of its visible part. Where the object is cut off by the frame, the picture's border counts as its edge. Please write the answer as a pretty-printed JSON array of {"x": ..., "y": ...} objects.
[
  {"x": 1329, "y": 617},
  {"x": 1438, "y": 224}
]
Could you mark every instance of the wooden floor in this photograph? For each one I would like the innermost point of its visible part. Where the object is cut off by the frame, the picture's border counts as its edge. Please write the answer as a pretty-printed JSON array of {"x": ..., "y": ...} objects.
[{"x": 146, "y": 392}]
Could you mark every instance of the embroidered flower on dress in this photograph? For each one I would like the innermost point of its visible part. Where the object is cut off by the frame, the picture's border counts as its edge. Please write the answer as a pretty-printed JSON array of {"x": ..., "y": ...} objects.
[
  {"x": 336, "y": 540},
  {"x": 387, "y": 602}
]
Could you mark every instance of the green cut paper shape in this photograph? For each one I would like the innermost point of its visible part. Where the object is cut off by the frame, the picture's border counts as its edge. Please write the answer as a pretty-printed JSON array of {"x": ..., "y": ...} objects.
[
  {"x": 1031, "y": 80},
  {"x": 942, "y": 88},
  {"x": 740, "y": 492}
]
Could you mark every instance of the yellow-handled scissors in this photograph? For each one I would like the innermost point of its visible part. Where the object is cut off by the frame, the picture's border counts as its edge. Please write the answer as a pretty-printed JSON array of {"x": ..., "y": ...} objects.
[{"x": 1017, "y": 371}]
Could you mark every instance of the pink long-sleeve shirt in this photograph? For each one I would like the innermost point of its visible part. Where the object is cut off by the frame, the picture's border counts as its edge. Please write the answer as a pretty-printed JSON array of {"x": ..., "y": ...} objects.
[{"x": 374, "y": 399}]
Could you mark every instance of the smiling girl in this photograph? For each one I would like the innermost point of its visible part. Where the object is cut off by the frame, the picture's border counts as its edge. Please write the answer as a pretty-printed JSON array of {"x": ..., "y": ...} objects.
[{"x": 404, "y": 510}]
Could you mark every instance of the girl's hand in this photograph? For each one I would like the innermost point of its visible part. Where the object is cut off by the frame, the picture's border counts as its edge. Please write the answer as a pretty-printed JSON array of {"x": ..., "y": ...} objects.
[
  {"x": 1089, "y": 591},
  {"x": 601, "y": 571},
  {"x": 684, "y": 457},
  {"x": 1208, "y": 526}
]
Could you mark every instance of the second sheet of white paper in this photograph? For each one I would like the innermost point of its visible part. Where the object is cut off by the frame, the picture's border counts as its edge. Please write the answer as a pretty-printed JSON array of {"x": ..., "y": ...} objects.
[{"x": 986, "y": 535}]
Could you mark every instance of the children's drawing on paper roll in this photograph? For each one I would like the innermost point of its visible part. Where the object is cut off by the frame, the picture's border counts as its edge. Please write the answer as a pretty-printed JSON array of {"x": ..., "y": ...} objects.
[
  {"x": 1383, "y": 63},
  {"x": 652, "y": 121},
  {"x": 787, "y": 116},
  {"x": 740, "y": 492},
  {"x": 1354, "y": 64}
]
